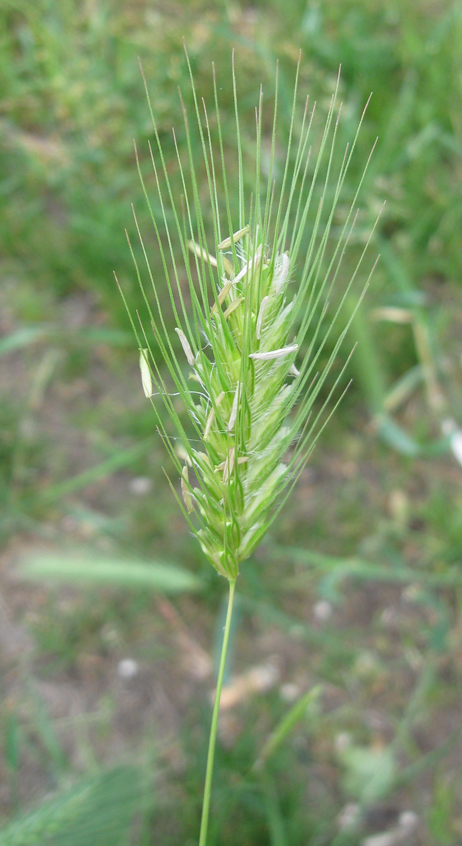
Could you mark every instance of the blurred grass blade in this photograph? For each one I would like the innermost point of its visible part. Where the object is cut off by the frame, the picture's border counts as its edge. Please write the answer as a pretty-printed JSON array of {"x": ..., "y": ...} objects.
[
  {"x": 396, "y": 437},
  {"x": 45, "y": 731},
  {"x": 113, "y": 572},
  {"x": 274, "y": 815},
  {"x": 22, "y": 338},
  {"x": 360, "y": 569},
  {"x": 427, "y": 761},
  {"x": 368, "y": 367},
  {"x": 396, "y": 270},
  {"x": 12, "y": 741},
  {"x": 369, "y": 772},
  {"x": 121, "y": 458},
  {"x": 104, "y": 335},
  {"x": 95, "y": 812},
  {"x": 91, "y": 335},
  {"x": 288, "y": 722},
  {"x": 402, "y": 389}
]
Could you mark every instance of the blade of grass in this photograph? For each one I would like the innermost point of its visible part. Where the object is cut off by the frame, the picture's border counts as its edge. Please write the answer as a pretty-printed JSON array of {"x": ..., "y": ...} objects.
[
  {"x": 113, "y": 572},
  {"x": 360, "y": 569},
  {"x": 280, "y": 734},
  {"x": 122, "y": 458}
]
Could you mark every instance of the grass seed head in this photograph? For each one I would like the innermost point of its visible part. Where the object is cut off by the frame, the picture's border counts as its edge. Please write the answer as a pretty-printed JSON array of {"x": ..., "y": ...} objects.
[
  {"x": 251, "y": 340},
  {"x": 244, "y": 472}
]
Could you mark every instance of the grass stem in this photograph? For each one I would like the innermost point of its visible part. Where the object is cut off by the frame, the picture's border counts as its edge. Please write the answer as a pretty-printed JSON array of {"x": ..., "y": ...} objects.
[{"x": 214, "y": 725}]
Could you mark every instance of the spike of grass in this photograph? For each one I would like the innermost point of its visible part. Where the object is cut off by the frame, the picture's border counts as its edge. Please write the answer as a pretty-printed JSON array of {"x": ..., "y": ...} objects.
[{"x": 254, "y": 344}]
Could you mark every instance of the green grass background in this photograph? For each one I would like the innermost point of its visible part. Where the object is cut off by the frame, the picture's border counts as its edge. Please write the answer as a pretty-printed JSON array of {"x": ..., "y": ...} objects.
[{"x": 376, "y": 522}]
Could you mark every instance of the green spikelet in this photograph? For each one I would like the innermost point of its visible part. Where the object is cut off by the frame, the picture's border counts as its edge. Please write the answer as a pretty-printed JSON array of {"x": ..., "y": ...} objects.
[
  {"x": 245, "y": 354},
  {"x": 246, "y": 374}
]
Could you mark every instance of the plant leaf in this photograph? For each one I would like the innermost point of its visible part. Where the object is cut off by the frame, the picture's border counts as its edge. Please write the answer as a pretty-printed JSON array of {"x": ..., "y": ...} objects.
[{"x": 116, "y": 572}]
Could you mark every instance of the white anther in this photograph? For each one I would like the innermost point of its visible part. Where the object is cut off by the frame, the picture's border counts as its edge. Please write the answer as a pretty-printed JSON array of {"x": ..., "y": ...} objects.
[
  {"x": 252, "y": 264},
  {"x": 233, "y": 414},
  {"x": 260, "y": 317},
  {"x": 225, "y": 291},
  {"x": 222, "y": 295},
  {"x": 182, "y": 453},
  {"x": 228, "y": 465},
  {"x": 201, "y": 253},
  {"x": 146, "y": 378},
  {"x": 186, "y": 347},
  {"x": 211, "y": 416},
  {"x": 225, "y": 245},
  {"x": 229, "y": 269},
  {"x": 268, "y": 356},
  {"x": 232, "y": 307}
]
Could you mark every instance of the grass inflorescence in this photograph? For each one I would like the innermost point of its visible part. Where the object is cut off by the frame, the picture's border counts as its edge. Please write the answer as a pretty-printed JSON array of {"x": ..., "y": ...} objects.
[{"x": 253, "y": 339}]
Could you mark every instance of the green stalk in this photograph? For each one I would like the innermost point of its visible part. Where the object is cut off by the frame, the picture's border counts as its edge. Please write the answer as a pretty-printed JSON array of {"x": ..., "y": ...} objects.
[{"x": 214, "y": 725}]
